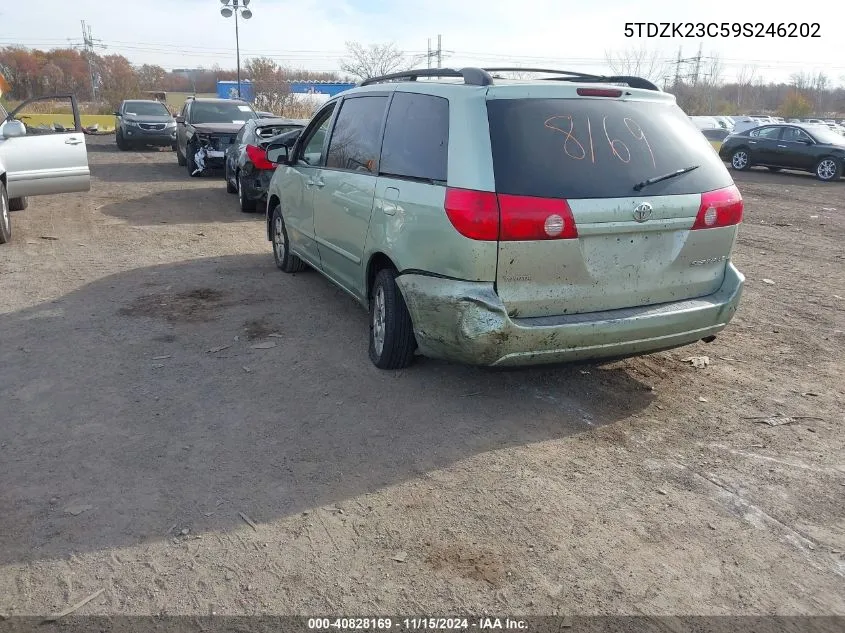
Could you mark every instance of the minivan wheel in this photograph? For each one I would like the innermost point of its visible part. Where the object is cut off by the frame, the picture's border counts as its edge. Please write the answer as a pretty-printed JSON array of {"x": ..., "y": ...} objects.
[
  {"x": 5, "y": 220},
  {"x": 285, "y": 260},
  {"x": 392, "y": 342},
  {"x": 828, "y": 169},
  {"x": 18, "y": 204},
  {"x": 740, "y": 160}
]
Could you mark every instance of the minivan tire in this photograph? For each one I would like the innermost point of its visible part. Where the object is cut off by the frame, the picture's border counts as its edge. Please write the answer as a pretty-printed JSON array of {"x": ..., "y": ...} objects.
[
  {"x": 740, "y": 160},
  {"x": 828, "y": 169},
  {"x": 18, "y": 204},
  {"x": 285, "y": 260},
  {"x": 5, "y": 220},
  {"x": 392, "y": 342}
]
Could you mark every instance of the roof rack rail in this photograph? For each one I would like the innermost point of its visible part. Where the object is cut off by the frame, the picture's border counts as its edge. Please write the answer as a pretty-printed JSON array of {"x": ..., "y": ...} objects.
[
  {"x": 471, "y": 76},
  {"x": 633, "y": 82},
  {"x": 481, "y": 76}
]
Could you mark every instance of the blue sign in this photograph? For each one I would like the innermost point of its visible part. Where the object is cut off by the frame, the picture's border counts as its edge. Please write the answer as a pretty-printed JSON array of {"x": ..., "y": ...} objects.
[
  {"x": 330, "y": 88},
  {"x": 229, "y": 90}
]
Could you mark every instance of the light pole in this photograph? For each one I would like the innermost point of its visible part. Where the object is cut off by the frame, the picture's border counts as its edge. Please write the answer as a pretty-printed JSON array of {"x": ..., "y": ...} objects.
[{"x": 233, "y": 7}]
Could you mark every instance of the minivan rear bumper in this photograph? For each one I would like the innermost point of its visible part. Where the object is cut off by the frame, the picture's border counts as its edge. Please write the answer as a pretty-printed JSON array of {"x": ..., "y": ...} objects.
[{"x": 466, "y": 322}]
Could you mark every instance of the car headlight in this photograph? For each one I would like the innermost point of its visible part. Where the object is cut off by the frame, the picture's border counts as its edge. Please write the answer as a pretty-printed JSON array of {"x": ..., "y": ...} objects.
[
  {"x": 132, "y": 123},
  {"x": 170, "y": 125}
]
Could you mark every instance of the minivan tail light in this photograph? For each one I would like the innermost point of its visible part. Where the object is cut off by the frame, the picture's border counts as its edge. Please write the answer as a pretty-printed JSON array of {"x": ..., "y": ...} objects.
[
  {"x": 258, "y": 157},
  {"x": 475, "y": 214},
  {"x": 486, "y": 216},
  {"x": 598, "y": 92},
  {"x": 722, "y": 207},
  {"x": 526, "y": 218}
]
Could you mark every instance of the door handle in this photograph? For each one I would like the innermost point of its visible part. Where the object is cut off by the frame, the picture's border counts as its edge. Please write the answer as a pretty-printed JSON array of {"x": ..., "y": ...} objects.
[
  {"x": 781, "y": 145},
  {"x": 752, "y": 142},
  {"x": 309, "y": 183},
  {"x": 319, "y": 184},
  {"x": 73, "y": 141}
]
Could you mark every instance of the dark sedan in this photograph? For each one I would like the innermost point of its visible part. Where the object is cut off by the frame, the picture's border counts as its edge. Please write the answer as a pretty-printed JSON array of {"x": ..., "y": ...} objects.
[
  {"x": 803, "y": 147},
  {"x": 248, "y": 171}
]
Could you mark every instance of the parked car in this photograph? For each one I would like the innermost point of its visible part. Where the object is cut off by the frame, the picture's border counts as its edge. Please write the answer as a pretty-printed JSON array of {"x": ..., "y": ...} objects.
[
  {"x": 247, "y": 170},
  {"x": 526, "y": 222},
  {"x": 264, "y": 115},
  {"x": 205, "y": 128},
  {"x": 706, "y": 122},
  {"x": 39, "y": 160},
  {"x": 716, "y": 137},
  {"x": 144, "y": 123},
  {"x": 743, "y": 124},
  {"x": 813, "y": 148}
]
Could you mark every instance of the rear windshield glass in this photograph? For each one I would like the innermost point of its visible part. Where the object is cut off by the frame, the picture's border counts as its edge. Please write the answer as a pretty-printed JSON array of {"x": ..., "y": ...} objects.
[
  {"x": 221, "y": 112},
  {"x": 146, "y": 108},
  {"x": 598, "y": 148}
]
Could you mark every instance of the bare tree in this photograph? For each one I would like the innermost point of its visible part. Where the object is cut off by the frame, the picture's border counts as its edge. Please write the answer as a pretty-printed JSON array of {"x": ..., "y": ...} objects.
[
  {"x": 745, "y": 81},
  {"x": 373, "y": 60},
  {"x": 639, "y": 62}
]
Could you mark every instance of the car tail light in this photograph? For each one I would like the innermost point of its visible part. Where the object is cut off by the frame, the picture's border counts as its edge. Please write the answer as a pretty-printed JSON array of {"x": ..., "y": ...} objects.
[
  {"x": 486, "y": 216},
  {"x": 599, "y": 92},
  {"x": 722, "y": 207},
  {"x": 525, "y": 218},
  {"x": 475, "y": 214},
  {"x": 258, "y": 157}
]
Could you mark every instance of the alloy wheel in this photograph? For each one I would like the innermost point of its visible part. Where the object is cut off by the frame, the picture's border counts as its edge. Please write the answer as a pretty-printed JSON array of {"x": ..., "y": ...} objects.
[
  {"x": 279, "y": 239},
  {"x": 826, "y": 169},
  {"x": 379, "y": 317},
  {"x": 739, "y": 160}
]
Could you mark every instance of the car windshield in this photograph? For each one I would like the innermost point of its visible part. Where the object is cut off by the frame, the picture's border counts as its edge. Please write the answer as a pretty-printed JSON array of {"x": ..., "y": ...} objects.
[
  {"x": 145, "y": 108},
  {"x": 597, "y": 148},
  {"x": 221, "y": 112},
  {"x": 824, "y": 134}
]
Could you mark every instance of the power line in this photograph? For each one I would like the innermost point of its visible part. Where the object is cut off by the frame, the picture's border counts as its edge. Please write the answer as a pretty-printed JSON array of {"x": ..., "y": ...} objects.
[{"x": 89, "y": 44}]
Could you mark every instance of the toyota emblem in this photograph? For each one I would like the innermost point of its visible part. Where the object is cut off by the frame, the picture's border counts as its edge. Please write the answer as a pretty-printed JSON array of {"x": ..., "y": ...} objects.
[{"x": 642, "y": 211}]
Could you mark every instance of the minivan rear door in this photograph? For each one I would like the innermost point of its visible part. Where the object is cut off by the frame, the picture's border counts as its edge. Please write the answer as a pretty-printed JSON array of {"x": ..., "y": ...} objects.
[{"x": 584, "y": 156}]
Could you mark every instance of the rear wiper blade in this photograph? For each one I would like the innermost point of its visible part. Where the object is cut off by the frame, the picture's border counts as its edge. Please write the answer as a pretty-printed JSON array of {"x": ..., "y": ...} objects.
[{"x": 651, "y": 181}]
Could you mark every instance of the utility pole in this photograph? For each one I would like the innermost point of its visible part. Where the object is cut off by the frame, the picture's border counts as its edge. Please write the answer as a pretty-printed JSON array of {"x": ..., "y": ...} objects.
[
  {"x": 89, "y": 43},
  {"x": 697, "y": 66},
  {"x": 428, "y": 55},
  {"x": 435, "y": 53},
  {"x": 678, "y": 67},
  {"x": 439, "y": 52}
]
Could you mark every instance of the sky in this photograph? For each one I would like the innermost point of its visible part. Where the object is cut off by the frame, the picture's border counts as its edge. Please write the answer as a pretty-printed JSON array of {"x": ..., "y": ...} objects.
[{"x": 312, "y": 33}]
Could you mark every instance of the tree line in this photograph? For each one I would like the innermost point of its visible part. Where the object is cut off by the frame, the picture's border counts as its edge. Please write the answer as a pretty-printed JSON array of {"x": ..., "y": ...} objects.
[
  {"x": 112, "y": 78},
  {"x": 701, "y": 89},
  {"x": 34, "y": 73}
]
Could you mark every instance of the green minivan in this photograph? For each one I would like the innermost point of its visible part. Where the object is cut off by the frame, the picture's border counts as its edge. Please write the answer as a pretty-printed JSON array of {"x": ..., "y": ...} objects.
[{"x": 511, "y": 222}]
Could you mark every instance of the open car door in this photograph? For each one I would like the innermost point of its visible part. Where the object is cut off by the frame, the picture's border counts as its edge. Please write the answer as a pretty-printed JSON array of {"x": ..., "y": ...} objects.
[{"x": 44, "y": 154}]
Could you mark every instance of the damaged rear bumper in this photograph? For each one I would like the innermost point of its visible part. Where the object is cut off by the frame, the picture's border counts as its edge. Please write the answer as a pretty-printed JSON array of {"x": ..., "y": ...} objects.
[{"x": 466, "y": 322}]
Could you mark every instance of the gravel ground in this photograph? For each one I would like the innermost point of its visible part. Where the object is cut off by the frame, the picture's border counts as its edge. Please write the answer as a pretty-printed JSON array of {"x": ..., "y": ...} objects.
[{"x": 148, "y": 448}]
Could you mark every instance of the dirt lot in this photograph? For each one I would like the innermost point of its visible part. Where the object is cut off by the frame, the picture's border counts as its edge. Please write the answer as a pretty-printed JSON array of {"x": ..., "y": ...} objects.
[{"x": 148, "y": 449}]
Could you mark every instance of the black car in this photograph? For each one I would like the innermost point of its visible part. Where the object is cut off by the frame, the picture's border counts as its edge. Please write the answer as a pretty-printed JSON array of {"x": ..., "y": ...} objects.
[
  {"x": 144, "y": 123},
  {"x": 248, "y": 172},
  {"x": 204, "y": 130},
  {"x": 803, "y": 147}
]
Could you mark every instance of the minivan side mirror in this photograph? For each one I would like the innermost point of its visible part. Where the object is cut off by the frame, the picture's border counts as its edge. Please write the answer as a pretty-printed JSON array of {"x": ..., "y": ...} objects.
[
  {"x": 13, "y": 128},
  {"x": 277, "y": 153}
]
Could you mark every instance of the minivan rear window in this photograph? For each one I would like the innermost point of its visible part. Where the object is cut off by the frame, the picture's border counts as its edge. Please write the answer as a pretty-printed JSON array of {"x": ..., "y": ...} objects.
[{"x": 598, "y": 148}]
